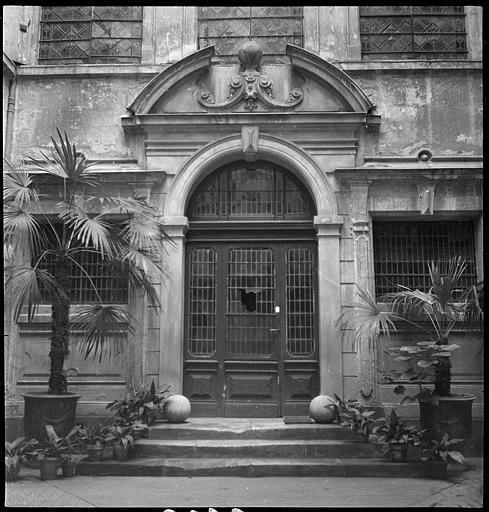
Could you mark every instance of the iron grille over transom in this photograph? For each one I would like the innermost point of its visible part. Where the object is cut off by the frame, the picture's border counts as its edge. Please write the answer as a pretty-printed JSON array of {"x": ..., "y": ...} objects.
[
  {"x": 271, "y": 27},
  {"x": 402, "y": 251},
  {"x": 253, "y": 191},
  {"x": 90, "y": 34},
  {"x": 412, "y": 32}
]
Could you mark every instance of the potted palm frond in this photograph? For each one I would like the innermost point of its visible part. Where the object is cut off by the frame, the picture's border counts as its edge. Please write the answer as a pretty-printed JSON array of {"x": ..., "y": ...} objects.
[
  {"x": 434, "y": 314},
  {"x": 44, "y": 246}
]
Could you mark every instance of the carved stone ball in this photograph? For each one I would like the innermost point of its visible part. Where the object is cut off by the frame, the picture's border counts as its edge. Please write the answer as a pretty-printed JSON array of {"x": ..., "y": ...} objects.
[
  {"x": 322, "y": 409},
  {"x": 177, "y": 409},
  {"x": 250, "y": 54}
]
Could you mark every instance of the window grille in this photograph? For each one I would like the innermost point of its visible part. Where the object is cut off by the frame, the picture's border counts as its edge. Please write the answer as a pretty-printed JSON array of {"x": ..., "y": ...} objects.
[
  {"x": 110, "y": 280},
  {"x": 402, "y": 251},
  {"x": 413, "y": 32},
  {"x": 90, "y": 34},
  {"x": 250, "y": 191},
  {"x": 227, "y": 28},
  {"x": 201, "y": 301},
  {"x": 300, "y": 302}
]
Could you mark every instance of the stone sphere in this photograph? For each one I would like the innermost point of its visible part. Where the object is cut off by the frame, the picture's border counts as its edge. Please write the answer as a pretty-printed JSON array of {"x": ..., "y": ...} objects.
[
  {"x": 322, "y": 409},
  {"x": 177, "y": 409}
]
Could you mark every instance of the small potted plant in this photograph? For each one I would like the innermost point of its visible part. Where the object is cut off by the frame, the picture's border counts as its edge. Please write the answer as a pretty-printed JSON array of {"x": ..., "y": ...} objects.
[
  {"x": 94, "y": 439},
  {"x": 145, "y": 404},
  {"x": 121, "y": 438},
  {"x": 60, "y": 451},
  {"x": 17, "y": 452},
  {"x": 398, "y": 436},
  {"x": 356, "y": 416},
  {"x": 437, "y": 454}
]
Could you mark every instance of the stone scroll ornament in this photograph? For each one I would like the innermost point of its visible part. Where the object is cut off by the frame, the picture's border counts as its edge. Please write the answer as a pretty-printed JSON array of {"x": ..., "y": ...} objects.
[{"x": 250, "y": 85}]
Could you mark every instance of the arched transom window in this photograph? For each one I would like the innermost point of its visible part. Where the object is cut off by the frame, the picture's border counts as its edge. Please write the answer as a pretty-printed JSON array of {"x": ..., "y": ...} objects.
[{"x": 258, "y": 190}]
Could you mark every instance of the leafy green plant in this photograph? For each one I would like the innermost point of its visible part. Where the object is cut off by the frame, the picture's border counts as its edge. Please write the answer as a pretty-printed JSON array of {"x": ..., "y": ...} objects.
[
  {"x": 16, "y": 453},
  {"x": 356, "y": 416},
  {"x": 67, "y": 448},
  {"x": 145, "y": 404},
  {"x": 434, "y": 314},
  {"x": 120, "y": 435},
  {"x": 441, "y": 450},
  {"x": 42, "y": 248},
  {"x": 393, "y": 430},
  {"x": 93, "y": 434}
]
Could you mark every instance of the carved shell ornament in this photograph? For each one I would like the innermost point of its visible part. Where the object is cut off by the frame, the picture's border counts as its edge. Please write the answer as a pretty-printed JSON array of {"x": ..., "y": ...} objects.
[{"x": 250, "y": 86}]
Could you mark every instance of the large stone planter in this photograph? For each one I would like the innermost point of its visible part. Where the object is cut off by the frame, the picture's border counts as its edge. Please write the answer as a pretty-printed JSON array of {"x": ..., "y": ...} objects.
[
  {"x": 43, "y": 409},
  {"x": 447, "y": 414}
]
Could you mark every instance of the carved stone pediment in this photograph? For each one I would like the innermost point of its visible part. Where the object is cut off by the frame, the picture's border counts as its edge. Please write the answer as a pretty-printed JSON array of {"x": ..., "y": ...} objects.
[{"x": 250, "y": 85}]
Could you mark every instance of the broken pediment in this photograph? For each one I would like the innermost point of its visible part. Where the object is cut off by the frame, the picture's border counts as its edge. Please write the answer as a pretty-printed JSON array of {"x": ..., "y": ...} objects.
[{"x": 201, "y": 84}]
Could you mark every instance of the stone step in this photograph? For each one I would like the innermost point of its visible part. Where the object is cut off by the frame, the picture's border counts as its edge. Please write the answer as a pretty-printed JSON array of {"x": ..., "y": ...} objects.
[
  {"x": 249, "y": 430},
  {"x": 179, "y": 448},
  {"x": 254, "y": 467}
]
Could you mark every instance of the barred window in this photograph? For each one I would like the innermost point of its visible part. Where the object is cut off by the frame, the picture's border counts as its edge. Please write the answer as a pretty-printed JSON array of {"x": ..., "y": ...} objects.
[
  {"x": 227, "y": 28},
  {"x": 402, "y": 251},
  {"x": 92, "y": 280},
  {"x": 90, "y": 34},
  {"x": 413, "y": 32}
]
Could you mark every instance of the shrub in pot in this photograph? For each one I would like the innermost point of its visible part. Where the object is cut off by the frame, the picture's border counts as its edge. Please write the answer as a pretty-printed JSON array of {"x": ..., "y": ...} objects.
[
  {"x": 144, "y": 404},
  {"x": 398, "y": 435},
  {"x": 60, "y": 451},
  {"x": 93, "y": 437},
  {"x": 437, "y": 455},
  {"x": 356, "y": 416},
  {"x": 121, "y": 439},
  {"x": 44, "y": 246},
  {"x": 434, "y": 314},
  {"x": 16, "y": 453}
]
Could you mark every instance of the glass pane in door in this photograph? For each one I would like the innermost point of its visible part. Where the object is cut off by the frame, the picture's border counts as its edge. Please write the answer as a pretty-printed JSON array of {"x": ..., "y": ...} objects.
[{"x": 251, "y": 282}]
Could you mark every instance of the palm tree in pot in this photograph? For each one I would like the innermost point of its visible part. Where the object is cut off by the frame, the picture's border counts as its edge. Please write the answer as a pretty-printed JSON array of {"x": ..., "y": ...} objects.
[
  {"x": 125, "y": 235},
  {"x": 434, "y": 314}
]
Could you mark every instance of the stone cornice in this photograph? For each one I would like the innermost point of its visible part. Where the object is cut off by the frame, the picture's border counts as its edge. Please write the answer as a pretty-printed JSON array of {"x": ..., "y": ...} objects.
[
  {"x": 194, "y": 121},
  {"x": 440, "y": 168}
]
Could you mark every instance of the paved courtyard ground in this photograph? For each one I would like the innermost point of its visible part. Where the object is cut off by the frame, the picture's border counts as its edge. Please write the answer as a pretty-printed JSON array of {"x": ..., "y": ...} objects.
[{"x": 462, "y": 489}]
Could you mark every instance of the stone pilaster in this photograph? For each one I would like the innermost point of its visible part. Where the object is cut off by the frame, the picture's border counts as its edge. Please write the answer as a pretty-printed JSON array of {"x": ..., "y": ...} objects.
[
  {"x": 330, "y": 350},
  {"x": 366, "y": 351},
  {"x": 172, "y": 308}
]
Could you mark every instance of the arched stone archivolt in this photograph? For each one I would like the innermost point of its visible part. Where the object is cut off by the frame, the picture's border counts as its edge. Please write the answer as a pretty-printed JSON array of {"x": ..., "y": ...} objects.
[{"x": 270, "y": 148}]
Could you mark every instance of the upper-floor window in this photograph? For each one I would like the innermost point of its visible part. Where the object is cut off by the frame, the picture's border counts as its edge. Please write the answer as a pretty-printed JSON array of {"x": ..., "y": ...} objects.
[
  {"x": 403, "y": 250},
  {"x": 227, "y": 28},
  {"x": 412, "y": 32},
  {"x": 90, "y": 34}
]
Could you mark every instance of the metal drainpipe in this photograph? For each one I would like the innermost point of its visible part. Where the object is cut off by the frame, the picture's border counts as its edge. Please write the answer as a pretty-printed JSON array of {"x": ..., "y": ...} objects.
[{"x": 12, "y": 86}]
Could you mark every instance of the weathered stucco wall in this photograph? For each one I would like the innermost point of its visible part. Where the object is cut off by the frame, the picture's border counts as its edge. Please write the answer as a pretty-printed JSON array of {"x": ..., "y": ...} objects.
[
  {"x": 439, "y": 109},
  {"x": 89, "y": 109}
]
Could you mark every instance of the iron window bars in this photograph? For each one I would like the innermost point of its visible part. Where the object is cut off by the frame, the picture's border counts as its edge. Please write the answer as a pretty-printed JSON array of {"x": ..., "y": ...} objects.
[
  {"x": 271, "y": 27},
  {"x": 413, "y": 32},
  {"x": 402, "y": 251},
  {"x": 90, "y": 34}
]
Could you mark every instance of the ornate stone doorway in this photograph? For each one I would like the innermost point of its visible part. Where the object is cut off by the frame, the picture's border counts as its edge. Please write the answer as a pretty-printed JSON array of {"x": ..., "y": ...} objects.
[{"x": 250, "y": 338}]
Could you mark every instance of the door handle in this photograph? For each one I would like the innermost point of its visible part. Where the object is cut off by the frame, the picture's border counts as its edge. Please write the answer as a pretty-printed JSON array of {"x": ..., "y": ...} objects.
[{"x": 274, "y": 330}]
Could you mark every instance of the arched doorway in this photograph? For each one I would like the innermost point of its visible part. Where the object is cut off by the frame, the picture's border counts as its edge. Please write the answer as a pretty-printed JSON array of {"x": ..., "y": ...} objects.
[{"x": 250, "y": 333}]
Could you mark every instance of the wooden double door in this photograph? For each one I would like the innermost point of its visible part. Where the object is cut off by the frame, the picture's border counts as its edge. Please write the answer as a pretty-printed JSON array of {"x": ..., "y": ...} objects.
[{"x": 250, "y": 328}]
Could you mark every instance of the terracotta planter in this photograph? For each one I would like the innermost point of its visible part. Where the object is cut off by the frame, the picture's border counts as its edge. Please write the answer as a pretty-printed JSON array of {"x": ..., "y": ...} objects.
[
  {"x": 68, "y": 467},
  {"x": 120, "y": 452},
  {"x": 12, "y": 468},
  {"x": 398, "y": 452},
  {"x": 49, "y": 468},
  {"x": 95, "y": 452},
  {"x": 41, "y": 409},
  {"x": 447, "y": 414}
]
